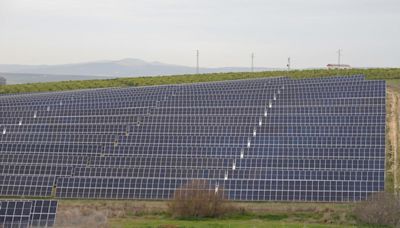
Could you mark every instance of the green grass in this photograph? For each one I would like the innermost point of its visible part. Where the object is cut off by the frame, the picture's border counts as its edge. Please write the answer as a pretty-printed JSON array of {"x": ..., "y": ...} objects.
[
  {"x": 393, "y": 82},
  {"x": 207, "y": 223},
  {"x": 389, "y": 178},
  {"x": 136, "y": 213},
  {"x": 376, "y": 73}
]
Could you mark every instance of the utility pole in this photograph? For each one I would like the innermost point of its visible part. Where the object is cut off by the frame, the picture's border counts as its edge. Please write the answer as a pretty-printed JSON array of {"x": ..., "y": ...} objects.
[
  {"x": 288, "y": 63},
  {"x": 197, "y": 62},
  {"x": 252, "y": 62},
  {"x": 339, "y": 56}
]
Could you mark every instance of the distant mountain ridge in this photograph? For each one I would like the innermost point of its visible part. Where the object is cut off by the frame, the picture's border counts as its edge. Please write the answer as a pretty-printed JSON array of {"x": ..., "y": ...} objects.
[
  {"x": 22, "y": 78},
  {"x": 129, "y": 67},
  {"x": 123, "y": 67}
]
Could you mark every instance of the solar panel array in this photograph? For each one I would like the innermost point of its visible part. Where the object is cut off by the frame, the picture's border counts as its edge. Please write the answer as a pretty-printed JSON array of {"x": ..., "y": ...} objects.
[
  {"x": 319, "y": 139},
  {"x": 15, "y": 213},
  {"x": 27, "y": 213},
  {"x": 43, "y": 213}
]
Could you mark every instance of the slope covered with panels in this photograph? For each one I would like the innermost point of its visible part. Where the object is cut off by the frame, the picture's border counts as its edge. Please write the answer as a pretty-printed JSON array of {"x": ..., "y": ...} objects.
[{"x": 262, "y": 139}]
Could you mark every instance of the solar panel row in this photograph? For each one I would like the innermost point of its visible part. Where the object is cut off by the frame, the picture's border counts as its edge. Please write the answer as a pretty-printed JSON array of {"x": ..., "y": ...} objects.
[
  {"x": 27, "y": 213},
  {"x": 320, "y": 139},
  {"x": 15, "y": 213}
]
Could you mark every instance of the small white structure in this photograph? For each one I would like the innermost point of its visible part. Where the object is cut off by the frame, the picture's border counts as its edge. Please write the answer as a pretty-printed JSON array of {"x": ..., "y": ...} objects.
[{"x": 338, "y": 66}]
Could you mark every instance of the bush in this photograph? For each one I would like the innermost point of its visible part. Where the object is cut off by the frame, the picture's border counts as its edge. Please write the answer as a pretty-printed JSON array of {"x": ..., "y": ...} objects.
[
  {"x": 197, "y": 199},
  {"x": 381, "y": 208}
]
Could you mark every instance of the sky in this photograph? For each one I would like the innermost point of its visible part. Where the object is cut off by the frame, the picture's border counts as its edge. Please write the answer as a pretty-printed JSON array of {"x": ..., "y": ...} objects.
[{"x": 225, "y": 32}]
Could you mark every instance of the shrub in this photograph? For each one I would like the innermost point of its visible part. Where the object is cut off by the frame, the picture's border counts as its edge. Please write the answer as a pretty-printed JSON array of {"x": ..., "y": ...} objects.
[
  {"x": 381, "y": 208},
  {"x": 197, "y": 199},
  {"x": 377, "y": 73}
]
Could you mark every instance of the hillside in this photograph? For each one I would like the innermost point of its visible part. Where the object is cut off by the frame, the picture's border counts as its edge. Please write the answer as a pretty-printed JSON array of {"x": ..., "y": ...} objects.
[
  {"x": 110, "y": 69},
  {"x": 2, "y": 81},
  {"x": 23, "y": 78},
  {"x": 376, "y": 73},
  {"x": 113, "y": 213}
]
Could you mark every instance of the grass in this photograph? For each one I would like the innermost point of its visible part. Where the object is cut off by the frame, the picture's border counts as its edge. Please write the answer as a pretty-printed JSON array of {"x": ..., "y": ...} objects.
[
  {"x": 131, "y": 213},
  {"x": 389, "y": 178},
  {"x": 393, "y": 82},
  {"x": 392, "y": 139},
  {"x": 208, "y": 223},
  {"x": 135, "y": 213}
]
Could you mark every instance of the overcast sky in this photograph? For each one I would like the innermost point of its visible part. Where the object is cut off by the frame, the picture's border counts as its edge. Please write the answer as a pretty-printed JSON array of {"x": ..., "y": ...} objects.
[{"x": 225, "y": 31}]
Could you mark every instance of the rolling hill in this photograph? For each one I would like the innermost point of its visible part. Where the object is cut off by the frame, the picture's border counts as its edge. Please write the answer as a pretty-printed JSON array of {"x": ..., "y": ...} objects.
[{"x": 16, "y": 74}]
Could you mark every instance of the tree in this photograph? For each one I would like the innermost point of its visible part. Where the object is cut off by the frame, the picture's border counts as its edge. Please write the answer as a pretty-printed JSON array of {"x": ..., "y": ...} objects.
[{"x": 381, "y": 208}]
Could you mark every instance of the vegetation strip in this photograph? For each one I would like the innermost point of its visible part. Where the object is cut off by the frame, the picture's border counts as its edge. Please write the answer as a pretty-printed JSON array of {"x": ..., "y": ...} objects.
[{"x": 376, "y": 73}]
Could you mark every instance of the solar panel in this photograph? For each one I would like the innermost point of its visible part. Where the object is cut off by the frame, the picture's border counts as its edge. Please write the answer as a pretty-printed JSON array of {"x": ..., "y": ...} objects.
[
  {"x": 43, "y": 213},
  {"x": 15, "y": 214},
  {"x": 318, "y": 139},
  {"x": 22, "y": 185},
  {"x": 27, "y": 213}
]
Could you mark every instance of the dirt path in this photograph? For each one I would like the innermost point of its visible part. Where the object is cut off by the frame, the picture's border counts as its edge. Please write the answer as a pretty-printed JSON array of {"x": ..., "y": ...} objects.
[{"x": 393, "y": 133}]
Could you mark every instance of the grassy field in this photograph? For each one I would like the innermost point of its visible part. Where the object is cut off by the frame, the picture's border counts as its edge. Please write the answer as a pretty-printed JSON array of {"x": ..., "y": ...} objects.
[
  {"x": 114, "y": 213},
  {"x": 231, "y": 223},
  {"x": 146, "y": 214},
  {"x": 393, "y": 83}
]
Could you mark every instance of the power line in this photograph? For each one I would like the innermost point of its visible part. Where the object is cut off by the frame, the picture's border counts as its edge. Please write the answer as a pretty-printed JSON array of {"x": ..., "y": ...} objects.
[
  {"x": 252, "y": 62},
  {"x": 197, "y": 62}
]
